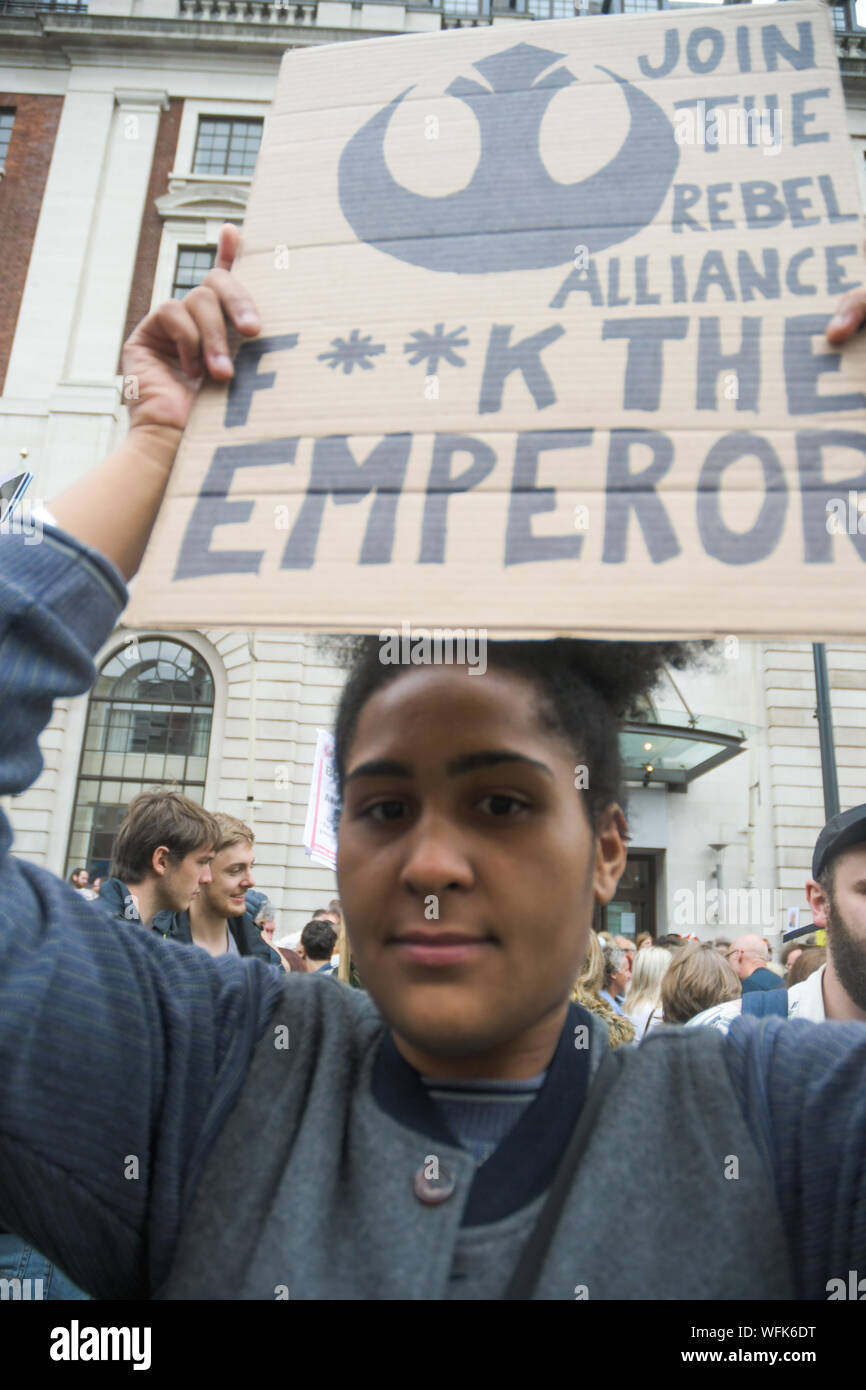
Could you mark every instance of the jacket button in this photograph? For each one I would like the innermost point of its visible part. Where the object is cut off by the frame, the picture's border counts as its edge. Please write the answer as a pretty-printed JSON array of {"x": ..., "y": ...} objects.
[{"x": 432, "y": 1188}]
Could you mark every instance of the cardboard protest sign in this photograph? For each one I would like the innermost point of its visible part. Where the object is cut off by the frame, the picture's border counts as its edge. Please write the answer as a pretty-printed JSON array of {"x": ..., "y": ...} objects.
[
  {"x": 543, "y": 311},
  {"x": 320, "y": 826}
]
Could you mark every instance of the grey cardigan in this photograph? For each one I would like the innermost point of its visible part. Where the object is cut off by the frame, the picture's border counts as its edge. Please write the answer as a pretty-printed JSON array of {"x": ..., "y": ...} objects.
[{"x": 316, "y": 1171}]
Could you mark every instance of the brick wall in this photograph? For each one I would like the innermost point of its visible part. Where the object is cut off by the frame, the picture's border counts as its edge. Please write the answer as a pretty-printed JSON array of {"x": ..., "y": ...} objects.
[
  {"x": 21, "y": 191},
  {"x": 150, "y": 233}
]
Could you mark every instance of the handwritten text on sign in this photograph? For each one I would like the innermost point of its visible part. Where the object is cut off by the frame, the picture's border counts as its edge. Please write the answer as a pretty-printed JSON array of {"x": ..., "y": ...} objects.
[{"x": 498, "y": 394}]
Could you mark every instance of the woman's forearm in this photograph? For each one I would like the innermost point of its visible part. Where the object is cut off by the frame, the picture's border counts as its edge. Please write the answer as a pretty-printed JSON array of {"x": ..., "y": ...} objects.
[{"x": 114, "y": 507}]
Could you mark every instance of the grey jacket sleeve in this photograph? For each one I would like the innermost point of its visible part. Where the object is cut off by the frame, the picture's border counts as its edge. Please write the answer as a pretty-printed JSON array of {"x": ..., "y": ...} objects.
[
  {"x": 120, "y": 1054},
  {"x": 802, "y": 1088}
]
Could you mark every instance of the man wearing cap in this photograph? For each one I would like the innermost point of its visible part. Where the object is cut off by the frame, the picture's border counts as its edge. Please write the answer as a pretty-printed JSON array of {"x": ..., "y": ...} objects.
[{"x": 836, "y": 893}]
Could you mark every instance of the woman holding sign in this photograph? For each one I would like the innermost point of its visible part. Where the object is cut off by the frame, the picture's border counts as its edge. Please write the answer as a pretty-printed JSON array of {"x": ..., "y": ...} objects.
[{"x": 462, "y": 1130}]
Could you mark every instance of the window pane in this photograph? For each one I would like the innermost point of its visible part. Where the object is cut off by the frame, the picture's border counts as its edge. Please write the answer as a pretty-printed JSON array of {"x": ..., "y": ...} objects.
[
  {"x": 227, "y": 145},
  {"x": 133, "y": 766},
  {"x": 193, "y": 264},
  {"x": 196, "y": 769},
  {"x": 154, "y": 769},
  {"x": 7, "y": 120}
]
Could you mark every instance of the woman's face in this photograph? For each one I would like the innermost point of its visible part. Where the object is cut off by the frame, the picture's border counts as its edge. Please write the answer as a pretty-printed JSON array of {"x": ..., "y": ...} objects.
[{"x": 466, "y": 863}]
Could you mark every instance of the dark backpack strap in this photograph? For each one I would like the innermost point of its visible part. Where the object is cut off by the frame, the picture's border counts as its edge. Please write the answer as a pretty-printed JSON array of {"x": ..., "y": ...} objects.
[
  {"x": 763, "y": 1002},
  {"x": 525, "y": 1277}
]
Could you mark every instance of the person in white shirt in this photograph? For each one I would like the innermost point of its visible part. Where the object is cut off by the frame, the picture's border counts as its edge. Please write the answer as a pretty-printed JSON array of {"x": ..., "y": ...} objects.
[{"x": 837, "y": 896}]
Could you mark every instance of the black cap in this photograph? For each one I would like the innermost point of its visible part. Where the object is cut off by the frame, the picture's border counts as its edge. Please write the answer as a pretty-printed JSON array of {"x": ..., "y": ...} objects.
[{"x": 840, "y": 833}]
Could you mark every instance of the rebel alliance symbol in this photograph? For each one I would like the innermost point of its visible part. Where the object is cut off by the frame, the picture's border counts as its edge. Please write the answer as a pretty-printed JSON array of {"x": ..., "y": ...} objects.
[{"x": 512, "y": 215}]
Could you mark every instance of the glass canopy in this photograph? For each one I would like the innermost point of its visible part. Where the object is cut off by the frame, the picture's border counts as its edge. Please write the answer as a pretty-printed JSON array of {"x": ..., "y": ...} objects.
[{"x": 676, "y": 747}]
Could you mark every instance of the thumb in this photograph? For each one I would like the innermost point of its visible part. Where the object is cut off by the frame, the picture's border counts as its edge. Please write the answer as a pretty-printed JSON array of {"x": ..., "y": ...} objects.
[{"x": 227, "y": 246}]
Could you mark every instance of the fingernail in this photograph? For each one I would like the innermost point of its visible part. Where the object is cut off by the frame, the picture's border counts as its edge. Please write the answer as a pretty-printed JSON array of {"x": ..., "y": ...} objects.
[
  {"x": 839, "y": 321},
  {"x": 248, "y": 319},
  {"x": 224, "y": 363}
]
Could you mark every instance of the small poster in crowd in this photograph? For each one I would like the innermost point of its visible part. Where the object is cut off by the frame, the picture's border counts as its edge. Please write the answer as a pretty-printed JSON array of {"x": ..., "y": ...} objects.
[
  {"x": 543, "y": 344},
  {"x": 320, "y": 827}
]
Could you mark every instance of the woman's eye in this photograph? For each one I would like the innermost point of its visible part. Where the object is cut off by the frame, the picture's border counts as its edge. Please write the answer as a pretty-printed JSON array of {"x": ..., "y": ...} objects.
[
  {"x": 500, "y": 805},
  {"x": 382, "y": 811}
]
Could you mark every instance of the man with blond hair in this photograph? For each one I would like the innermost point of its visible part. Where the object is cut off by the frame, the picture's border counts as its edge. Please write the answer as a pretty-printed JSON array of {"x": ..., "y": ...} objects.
[{"x": 218, "y": 918}]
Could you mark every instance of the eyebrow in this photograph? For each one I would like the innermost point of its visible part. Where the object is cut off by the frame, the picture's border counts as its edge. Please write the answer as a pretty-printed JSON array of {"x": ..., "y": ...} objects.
[{"x": 468, "y": 762}]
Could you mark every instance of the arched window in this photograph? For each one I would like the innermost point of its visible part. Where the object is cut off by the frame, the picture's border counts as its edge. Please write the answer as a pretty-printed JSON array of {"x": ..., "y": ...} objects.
[{"x": 148, "y": 724}]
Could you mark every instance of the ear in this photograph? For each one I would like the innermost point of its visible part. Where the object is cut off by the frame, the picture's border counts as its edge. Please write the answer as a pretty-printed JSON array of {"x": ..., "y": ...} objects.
[
  {"x": 818, "y": 901},
  {"x": 610, "y": 853},
  {"x": 159, "y": 860}
]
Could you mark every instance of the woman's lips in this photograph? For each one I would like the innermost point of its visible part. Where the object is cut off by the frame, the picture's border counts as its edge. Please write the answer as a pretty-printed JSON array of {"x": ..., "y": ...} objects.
[{"x": 445, "y": 948}]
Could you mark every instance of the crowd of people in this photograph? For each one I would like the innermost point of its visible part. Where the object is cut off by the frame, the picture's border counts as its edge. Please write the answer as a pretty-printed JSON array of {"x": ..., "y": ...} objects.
[
  {"x": 638, "y": 984},
  {"x": 634, "y": 984},
  {"x": 188, "y": 875}
]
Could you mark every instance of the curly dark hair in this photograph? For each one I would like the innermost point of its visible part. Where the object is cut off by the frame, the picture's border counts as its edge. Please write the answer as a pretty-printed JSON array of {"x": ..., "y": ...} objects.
[{"x": 585, "y": 689}]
